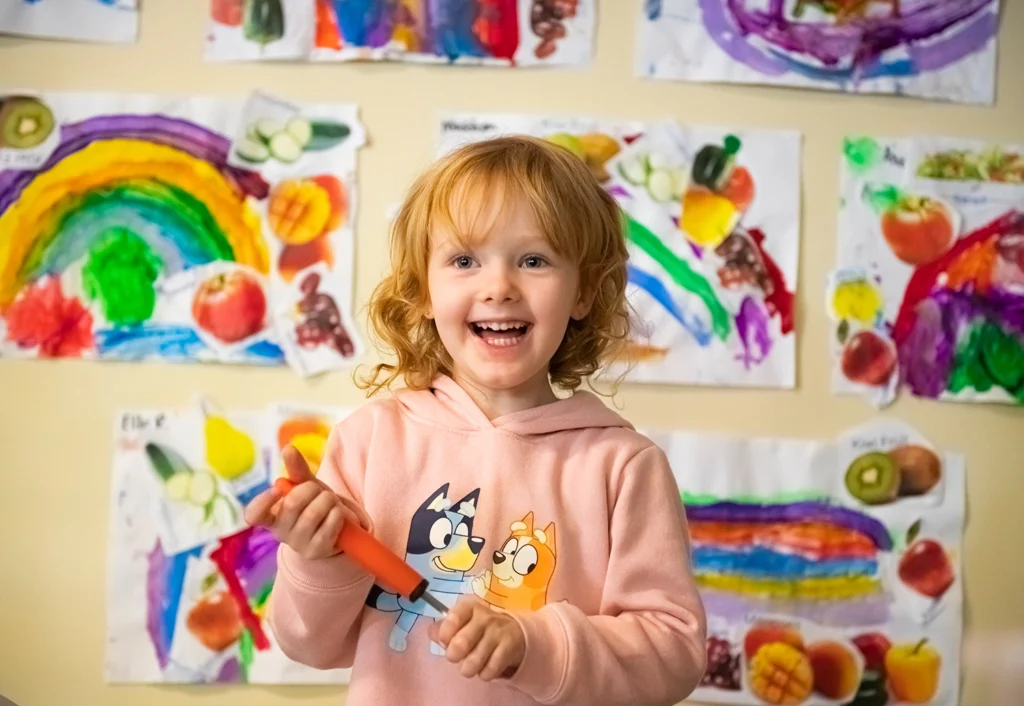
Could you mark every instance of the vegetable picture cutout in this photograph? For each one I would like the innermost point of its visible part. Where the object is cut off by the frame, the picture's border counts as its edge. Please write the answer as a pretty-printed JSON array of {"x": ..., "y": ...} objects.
[
  {"x": 713, "y": 247},
  {"x": 188, "y": 580},
  {"x": 144, "y": 228},
  {"x": 930, "y": 272},
  {"x": 814, "y": 596}
]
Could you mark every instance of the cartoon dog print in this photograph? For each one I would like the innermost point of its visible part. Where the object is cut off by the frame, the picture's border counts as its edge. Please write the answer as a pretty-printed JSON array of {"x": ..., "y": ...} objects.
[
  {"x": 521, "y": 570},
  {"x": 441, "y": 548}
]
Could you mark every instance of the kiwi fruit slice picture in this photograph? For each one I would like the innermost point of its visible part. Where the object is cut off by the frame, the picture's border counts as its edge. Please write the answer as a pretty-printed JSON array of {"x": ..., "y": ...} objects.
[
  {"x": 873, "y": 478},
  {"x": 25, "y": 122},
  {"x": 920, "y": 469}
]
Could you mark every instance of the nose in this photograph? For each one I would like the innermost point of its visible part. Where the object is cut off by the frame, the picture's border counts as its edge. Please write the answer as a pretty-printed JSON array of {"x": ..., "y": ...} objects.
[
  {"x": 500, "y": 285},
  {"x": 498, "y": 557}
]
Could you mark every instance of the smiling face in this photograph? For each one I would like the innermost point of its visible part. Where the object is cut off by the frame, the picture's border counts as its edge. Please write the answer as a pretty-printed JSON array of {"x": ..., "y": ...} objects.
[{"x": 501, "y": 297}]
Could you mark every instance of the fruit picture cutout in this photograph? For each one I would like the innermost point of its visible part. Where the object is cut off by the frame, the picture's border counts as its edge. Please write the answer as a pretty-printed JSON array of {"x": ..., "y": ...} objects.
[
  {"x": 929, "y": 277},
  {"x": 813, "y": 596},
  {"x": 131, "y": 229},
  {"x": 507, "y": 33},
  {"x": 712, "y": 221},
  {"x": 188, "y": 579}
]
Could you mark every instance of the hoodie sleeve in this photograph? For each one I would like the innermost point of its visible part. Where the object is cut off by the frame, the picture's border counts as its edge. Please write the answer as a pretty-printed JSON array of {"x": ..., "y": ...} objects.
[
  {"x": 647, "y": 644},
  {"x": 316, "y": 605}
]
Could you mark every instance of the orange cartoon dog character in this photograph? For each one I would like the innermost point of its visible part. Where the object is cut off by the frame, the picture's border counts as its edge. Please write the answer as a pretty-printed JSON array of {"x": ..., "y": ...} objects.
[{"x": 521, "y": 570}]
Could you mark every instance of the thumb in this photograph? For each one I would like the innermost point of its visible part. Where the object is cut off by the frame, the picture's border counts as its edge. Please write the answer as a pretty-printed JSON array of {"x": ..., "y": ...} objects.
[{"x": 295, "y": 465}]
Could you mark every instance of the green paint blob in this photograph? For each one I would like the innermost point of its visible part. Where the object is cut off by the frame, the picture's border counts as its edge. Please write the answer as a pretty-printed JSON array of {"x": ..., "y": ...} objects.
[
  {"x": 681, "y": 273},
  {"x": 245, "y": 653},
  {"x": 988, "y": 358},
  {"x": 119, "y": 274},
  {"x": 776, "y": 499},
  {"x": 882, "y": 197},
  {"x": 862, "y": 153}
]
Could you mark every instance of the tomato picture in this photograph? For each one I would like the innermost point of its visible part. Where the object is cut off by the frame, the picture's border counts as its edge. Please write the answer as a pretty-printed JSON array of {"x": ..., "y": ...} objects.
[{"x": 918, "y": 229}]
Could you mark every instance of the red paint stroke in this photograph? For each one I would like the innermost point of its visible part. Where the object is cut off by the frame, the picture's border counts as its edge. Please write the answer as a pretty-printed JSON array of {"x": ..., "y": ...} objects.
[
  {"x": 42, "y": 316},
  {"x": 226, "y": 558},
  {"x": 328, "y": 33},
  {"x": 497, "y": 28},
  {"x": 780, "y": 301},
  {"x": 925, "y": 278}
]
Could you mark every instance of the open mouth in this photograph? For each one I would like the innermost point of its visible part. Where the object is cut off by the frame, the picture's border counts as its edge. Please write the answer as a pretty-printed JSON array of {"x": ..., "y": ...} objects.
[
  {"x": 439, "y": 565},
  {"x": 500, "y": 334}
]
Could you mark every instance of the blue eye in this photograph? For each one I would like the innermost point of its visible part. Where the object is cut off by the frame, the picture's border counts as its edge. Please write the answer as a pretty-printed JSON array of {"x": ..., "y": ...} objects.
[
  {"x": 462, "y": 261},
  {"x": 532, "y": 261}
]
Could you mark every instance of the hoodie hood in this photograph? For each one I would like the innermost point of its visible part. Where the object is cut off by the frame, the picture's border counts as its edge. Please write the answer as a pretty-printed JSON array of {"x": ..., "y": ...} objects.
[{"x": 446, "y": 404}]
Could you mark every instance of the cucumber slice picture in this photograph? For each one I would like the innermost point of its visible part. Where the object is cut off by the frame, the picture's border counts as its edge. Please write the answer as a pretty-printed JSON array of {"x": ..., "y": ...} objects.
[
  {"x": 266, "y": 128},
  {"x": 177, "y": 487},
  {"x": 680, "y": 182},
  {"x": 634, "y": 171},
  {"x": 203, "y": 489},
  {"x": 285, "y": 148},
  {"x": 252, "y": 151},
  {"x": 661, "y": 185},
  {"x": 300, "y": 129},
  {"x": 326, "y": 134}
]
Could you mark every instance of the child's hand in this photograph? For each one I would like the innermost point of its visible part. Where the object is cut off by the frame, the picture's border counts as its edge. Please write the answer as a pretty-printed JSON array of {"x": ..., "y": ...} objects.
[
  {"x": 481, "y": 640},
  {"x": 309, "y": 518}
]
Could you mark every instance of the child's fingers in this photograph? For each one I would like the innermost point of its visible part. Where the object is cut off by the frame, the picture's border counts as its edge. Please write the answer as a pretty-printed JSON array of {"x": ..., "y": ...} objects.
[
  {"x": 497, "y": 662},
  {"x": 480, "y": 655},
  {"x": 259, "y": 512},
  {"x": 324, "y": 540},
  {"x": 310, "y": 519},
  {"x": 458, "y": 615},
  {"x": 295, "y": 465},
  {"x": 292, "y": 506},
  {"x": 465, "y": 640}
]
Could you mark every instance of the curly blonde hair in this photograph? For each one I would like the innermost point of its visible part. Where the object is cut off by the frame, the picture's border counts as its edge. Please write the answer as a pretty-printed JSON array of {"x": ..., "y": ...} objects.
[{"x": 579, "y": 219}]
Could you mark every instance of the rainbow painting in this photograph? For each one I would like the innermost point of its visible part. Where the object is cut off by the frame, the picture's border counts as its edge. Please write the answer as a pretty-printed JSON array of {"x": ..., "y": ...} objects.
[
  {"x": 129, "y": 232},
  {"x": 98, "y": 21},
  {"x": 506, "y": 33},
  {"x": 189, "y": 581},
  {"x": 936, "y": 49},
  {"x": 712, "y": 222},
  {"x": 821, "y": 562},
  {"x": 928, "y": 292}
]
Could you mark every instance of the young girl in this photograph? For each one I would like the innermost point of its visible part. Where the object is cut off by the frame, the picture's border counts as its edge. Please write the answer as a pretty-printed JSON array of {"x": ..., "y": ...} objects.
[{"x": 552, "y": 530}]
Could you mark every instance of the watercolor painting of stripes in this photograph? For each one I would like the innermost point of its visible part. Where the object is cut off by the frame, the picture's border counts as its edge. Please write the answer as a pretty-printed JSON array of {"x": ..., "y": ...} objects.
[
  {"x": 140, "y": 228},
  {"x": 99, "y": 21},
  {"x": 188, "y": 579},
  {"x": 830, "y": 570},
  {"x": 506, "y": 33},
  {"x": 935, "y": 49},
  {"x": 712, "y": 220},
  {"x": 928, "y": 292}
]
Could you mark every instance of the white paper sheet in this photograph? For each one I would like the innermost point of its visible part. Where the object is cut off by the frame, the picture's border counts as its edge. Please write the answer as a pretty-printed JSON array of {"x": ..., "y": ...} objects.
[
  {"x": 103, "y": 21},
  {"x": 785, "y": 553},
  {"x": 952, "y": 55}
]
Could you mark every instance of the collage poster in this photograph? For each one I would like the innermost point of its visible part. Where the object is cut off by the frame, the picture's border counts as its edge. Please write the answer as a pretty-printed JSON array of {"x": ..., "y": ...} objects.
[
  {"x": 185, "y": 229},
  {"x": 712, "y": 219},
  {"x": 935, "y": 49}
]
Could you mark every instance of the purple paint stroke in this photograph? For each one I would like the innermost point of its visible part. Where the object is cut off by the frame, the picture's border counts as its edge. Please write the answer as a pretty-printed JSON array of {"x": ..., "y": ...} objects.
[
  {"x": 256, "y": 564},
  {"x": 230, "y": 673},
  {"x": 752, "y": 325},
  {"x": 179, "y": 134},
  {"x": 854, "y": 613},
  {"x": 156, "y": 570},
  {"x": 730, "y": 23}
]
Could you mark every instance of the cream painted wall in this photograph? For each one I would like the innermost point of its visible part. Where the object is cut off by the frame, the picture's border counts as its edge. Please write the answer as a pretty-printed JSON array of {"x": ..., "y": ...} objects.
[{"x": 56, "y": 438}]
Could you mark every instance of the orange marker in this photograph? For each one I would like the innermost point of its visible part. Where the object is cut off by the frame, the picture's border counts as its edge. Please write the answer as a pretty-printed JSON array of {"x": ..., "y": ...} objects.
[{"x": 366, "y": 550}]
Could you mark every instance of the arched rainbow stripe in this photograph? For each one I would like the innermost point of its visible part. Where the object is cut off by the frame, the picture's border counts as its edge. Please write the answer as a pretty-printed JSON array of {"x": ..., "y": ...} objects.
[{"x": 164, "y": 178}]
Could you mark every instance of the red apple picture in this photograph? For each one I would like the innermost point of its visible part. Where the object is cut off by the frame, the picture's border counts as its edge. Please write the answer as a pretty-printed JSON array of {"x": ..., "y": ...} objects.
[
  {"x": 918, "y": 229},
  {"x": 926, "y": 568},
  {"x": 230, "y": 306},
  {"x": 873, "y": 646},
  {"x": 868, "y": 358}
]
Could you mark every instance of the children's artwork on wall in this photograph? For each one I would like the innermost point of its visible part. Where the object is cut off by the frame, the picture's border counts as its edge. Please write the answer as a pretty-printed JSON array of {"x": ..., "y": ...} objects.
[
  {"x": 101, "y": 21},
  {"x": 713, "y": 221},
  {"x": 928, "y": 294},
  {"x": 188, "y": 580},
  {"x": 936, "y": 49},
  {"x": 830, "y": 571},
  {"x": 511, "y": 33},
  {"x": 142, "y": 228}
]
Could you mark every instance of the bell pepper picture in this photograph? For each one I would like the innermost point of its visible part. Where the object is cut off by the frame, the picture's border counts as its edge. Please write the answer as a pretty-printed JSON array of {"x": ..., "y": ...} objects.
[{"x": 913, "y": 671}]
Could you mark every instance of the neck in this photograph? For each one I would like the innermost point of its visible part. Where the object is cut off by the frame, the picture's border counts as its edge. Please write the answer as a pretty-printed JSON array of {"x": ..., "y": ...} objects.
[{"x": 498, "y": 403}]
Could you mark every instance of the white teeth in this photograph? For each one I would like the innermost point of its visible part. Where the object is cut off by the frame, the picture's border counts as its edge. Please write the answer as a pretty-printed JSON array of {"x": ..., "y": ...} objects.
[{"x": 501, "y": 325}]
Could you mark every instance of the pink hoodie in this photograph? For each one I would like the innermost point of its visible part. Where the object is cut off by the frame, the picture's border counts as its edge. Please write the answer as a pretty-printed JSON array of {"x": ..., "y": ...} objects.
[{"x": 563, "y": 515}]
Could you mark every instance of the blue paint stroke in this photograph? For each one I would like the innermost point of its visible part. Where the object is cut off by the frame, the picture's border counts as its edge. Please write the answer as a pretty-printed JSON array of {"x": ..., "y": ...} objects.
[
  {"x": 171, "y": 343},
  {"x": 764, "y": 563},
  {"x": 656, "y": 288}
]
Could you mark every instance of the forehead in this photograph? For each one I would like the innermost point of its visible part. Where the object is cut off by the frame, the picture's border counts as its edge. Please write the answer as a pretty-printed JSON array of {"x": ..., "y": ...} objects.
[{"x": 478, "y": 211}]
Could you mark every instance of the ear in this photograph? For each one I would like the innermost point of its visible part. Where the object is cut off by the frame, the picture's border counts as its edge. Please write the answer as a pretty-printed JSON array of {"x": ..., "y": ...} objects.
[
  {"x": 584, "y": 302},
  {"x": 524, "y": 525},
  {"x": 549, "y": 532},
  {"x": 437, "y": 501},
  {"x": 467, "y": 506}
]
